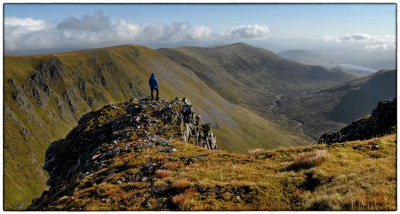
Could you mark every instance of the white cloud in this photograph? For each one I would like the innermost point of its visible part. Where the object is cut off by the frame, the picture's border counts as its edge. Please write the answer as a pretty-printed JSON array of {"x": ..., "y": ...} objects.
[
  {"x": 249, "y": 31},
  {"x": 18, "y": 31},
  {"x": 25, "y": 25},
  {"x": 383, "y": 42},
  {"x": 355, "y": 37},
  {"x": 125, "y": 31},
  {"x": 98, "y": 30},
  {"x": 201, "y": 32}
]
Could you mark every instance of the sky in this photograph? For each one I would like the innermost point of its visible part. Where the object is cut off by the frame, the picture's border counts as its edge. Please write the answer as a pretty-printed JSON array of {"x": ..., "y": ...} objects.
[{"x": 37, "y": 27}]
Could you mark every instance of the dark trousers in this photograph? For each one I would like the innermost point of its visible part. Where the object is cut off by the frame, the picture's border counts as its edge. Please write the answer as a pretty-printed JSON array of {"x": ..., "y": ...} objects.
[{"x": 152, "y": 93}]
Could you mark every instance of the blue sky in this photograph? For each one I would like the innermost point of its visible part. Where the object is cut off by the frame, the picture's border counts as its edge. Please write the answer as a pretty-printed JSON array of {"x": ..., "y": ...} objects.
[
  {"x": 50, "y": 26},
  {"x": 331, "y": 18}
]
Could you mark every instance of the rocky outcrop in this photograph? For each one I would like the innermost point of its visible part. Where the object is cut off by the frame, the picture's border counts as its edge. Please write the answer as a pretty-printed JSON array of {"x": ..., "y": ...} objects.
[
  {"x": 103, "y": 134},
  {"x": 382, "y": 121},
  {"x": 18, "y": 95},
  {"x": 52, "y": 70}
]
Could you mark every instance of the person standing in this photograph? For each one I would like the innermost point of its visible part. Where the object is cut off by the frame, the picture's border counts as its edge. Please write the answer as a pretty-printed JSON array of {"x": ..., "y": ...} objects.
[{"x": 153, "y": 85}]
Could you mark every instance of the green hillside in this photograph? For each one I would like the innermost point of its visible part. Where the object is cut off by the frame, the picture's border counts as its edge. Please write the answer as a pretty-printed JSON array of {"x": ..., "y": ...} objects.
[
  {"x": 331, "y": 109},
  {"x": 45, "y": 95}
]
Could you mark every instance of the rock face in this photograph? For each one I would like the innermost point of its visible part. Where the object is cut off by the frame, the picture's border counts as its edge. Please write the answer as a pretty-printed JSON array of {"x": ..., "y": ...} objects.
[
  {"x": 98, "y": 138},
  {"x": 382, "y": 121}
]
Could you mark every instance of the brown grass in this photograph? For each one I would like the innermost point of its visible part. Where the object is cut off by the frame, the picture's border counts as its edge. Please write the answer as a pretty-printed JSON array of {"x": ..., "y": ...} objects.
[
  {"x": 171, "y": 165},
  {"x": 163, "y": 173},
  {"x": 309, "y": 159},
  {"x": 181, "y": 184},
  {"x": 179, "y": 199}
]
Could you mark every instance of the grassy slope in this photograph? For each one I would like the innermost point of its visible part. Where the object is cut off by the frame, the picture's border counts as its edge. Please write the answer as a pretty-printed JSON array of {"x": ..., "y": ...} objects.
[
  {"x": 352, "y": 176},
  {"x": 27, "y": 133},
  {"x": 252, "y": 76},
  {"x": 335, "y": 107}
]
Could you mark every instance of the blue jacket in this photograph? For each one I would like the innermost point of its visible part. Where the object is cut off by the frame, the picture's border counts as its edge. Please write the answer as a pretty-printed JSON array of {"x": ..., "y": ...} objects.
[{"x": 153, "y": 81}]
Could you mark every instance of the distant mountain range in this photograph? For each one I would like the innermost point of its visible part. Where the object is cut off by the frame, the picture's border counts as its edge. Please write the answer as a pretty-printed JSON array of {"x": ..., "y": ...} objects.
[
  {"x": 307, "y": 57},
  {"x": 355, "y": 70},
  {"x": 311, "y": 58}
]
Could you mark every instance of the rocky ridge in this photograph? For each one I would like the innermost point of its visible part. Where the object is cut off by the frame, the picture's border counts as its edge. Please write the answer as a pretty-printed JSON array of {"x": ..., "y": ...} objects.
[
  {"x": 133, "y": 156},
  {"x": 382, "y": 121},
  {"x": 117, "y": 129}
]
